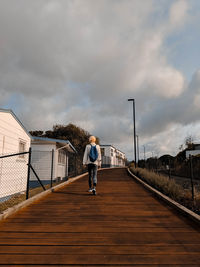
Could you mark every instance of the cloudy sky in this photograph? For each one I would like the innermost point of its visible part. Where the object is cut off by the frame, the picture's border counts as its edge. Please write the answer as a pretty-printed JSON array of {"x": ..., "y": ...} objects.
[{"x": 79, "y": 61}]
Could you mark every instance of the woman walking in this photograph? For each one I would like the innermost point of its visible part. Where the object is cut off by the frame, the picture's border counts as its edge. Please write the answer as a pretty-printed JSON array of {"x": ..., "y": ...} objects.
[{"x": 92, "y": 158}]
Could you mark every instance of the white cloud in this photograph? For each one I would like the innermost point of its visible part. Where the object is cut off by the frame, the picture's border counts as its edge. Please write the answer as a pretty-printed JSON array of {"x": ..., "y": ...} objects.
[
  {"x": 178, "y": 13},
  {"x": 167, "y": 82}
]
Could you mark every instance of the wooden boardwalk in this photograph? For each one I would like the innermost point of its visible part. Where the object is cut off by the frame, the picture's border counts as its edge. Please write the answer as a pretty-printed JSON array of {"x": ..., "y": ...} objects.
[{"x": 122, "y": 226}]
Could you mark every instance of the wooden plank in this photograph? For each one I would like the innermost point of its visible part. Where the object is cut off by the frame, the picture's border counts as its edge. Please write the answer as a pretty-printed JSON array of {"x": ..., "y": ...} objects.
[
  {"x": 149, "y": 249},
  {"x": 100, "y": 259},
  {"x": 86, "y": 238},
  {"x": 68, "y": 228}
]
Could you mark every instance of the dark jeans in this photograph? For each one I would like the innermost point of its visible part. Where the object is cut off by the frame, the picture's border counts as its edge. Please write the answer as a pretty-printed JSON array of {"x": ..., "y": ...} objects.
[{"x": 92, "y": 169}]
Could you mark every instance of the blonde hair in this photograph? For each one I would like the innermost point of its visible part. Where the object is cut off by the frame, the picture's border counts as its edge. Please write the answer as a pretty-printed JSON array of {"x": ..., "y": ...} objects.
[{"x": 92, "y": 139}]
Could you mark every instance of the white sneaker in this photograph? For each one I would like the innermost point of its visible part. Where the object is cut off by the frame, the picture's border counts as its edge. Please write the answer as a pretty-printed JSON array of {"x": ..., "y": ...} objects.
[{"x": 90, "y": 190}]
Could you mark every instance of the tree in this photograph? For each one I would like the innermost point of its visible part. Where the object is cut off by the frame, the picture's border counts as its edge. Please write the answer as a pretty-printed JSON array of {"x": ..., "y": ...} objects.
[
  {"x": 189, "y": 142},
  {"x": 166, "y": 159},
  {"x": 36, "y": 133}
]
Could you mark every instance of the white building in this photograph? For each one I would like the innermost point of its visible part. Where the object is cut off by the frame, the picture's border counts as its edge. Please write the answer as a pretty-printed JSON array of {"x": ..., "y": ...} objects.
[
  {"x": 194, "y": 152},
  {"x": 45, "y": 164},
  {"x": 112, "y": 157},
  {"x": 14, "y": 138}
]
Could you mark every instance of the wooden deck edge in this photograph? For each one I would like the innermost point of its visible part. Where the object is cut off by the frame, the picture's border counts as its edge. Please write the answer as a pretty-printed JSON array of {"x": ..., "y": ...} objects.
[
  {"x": 183, "y": 210},
  {"x": 25, "y": 203}
]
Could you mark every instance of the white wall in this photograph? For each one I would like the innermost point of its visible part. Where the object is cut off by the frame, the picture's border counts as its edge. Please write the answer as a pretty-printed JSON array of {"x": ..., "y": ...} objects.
[
  {"x": 41, "y": 161},
  {"x": 13, "y": 170},
  {"x": 11, "y": 133},
  {"x": 61, "y": 169},
  {"x": 107, "y": 151},
  {"x": 192, "y": 152},
  {"x": 42, "y": 147}
]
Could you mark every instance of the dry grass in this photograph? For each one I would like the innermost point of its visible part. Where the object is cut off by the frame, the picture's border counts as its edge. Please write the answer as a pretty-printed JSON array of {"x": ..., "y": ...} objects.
[
  {"x": 161, "y": 183},
  {"x": 169, "y": 187},
  {"x": 12, "y": 202}
]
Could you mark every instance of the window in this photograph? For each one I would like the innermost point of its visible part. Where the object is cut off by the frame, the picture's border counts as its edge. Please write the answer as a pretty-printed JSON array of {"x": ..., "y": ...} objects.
[
  {"x": 61, "y": 157},
  {"x": 111, "y": 152},
  {"x": 22, "y": 148},
  {"x": 103, "y": 151}
]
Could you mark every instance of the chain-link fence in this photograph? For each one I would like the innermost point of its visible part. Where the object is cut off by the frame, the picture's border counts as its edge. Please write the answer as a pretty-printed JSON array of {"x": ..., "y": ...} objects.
[
  {"x": 13, "y": 179},
  {"x": 26, "y": 174}
]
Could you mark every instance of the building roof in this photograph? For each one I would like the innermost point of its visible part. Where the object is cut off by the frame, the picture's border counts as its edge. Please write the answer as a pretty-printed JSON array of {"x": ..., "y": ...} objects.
[
  {"x": 16, "y": 118},
  {"x": 196, "y": 145},
  {"x": 52, "y": 140}
]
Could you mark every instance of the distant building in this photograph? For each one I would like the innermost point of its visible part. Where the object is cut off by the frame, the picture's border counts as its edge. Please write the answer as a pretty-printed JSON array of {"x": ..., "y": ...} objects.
[
  {"x": 112, "y": 157},
  {"x": 50, "y": 157},
  {"x": 194, "y": 152},
  {"x": 14, "y": 138}
]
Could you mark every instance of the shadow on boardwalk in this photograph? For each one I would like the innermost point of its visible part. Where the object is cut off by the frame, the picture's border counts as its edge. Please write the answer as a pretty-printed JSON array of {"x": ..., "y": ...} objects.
[
  {"x": 123, "y": 225},
  {"x": 80, "y": 193}
]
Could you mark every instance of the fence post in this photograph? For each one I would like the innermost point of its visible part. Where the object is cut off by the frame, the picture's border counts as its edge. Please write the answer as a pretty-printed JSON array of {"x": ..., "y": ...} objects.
[
  {"x": 52, "y": 162},
  {"x": 191, "y": 175},
  {"x": 75, "y": 165},
  {"x": 28, "y": 174},
  {"x": 169, "y": 161}
]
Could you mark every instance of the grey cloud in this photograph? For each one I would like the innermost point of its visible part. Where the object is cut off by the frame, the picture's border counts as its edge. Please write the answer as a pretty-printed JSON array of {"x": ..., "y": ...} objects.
[{"x": 180, "y": 110}]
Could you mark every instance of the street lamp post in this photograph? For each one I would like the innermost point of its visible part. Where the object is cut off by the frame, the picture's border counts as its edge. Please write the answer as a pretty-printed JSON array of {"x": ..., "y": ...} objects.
[
  {"x": 144, "y": 153},
  {"x": 134, "y": 131},
  {"x": 144, "y": 158},
  {"x": 138, "y": 151}
]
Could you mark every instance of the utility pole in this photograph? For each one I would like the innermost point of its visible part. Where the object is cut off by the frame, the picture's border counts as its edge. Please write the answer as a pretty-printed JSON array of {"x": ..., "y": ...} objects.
[
  {"x": 144, "y": 158},
  {"x": 134, "y": 130}
]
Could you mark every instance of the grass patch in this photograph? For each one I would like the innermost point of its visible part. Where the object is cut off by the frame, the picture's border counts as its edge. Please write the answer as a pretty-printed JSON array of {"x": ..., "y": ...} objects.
[{"x": 169, "y": 188}]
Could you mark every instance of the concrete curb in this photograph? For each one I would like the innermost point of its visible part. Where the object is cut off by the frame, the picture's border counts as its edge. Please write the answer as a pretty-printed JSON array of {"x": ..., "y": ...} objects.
[
  {"x": 16, "y": 208},
  {"x": 183, "y": 210}
]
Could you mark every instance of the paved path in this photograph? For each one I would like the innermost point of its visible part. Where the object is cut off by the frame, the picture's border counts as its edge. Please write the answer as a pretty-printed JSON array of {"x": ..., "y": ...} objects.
[{"x": 122, "y": 226}]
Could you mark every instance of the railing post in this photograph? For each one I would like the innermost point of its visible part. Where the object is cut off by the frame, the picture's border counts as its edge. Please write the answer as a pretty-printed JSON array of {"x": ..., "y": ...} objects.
[
  {"x": 191, "y": 175},
  {"x": 169, "y": 169},
  {"x": 52, "y": 162},
  {"x": 75, "y": 165},
  {"x": 28, "y": 174}
]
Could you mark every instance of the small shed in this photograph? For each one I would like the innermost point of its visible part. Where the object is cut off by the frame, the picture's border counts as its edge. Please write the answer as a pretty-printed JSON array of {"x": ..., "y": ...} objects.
[
  {"x": 50, "y": 159},
  {"x": 14, "y": 138}
]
